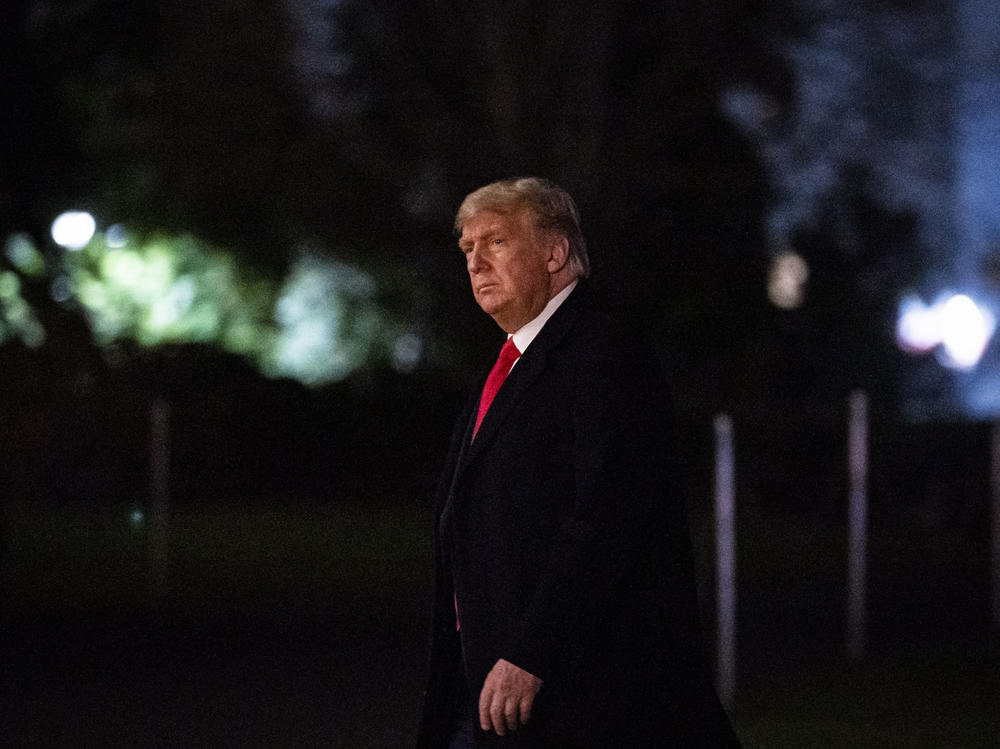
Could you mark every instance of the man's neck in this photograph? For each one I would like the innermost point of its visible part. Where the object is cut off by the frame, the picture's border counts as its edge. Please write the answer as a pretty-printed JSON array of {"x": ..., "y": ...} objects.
[{"x": 524, "y": 335}]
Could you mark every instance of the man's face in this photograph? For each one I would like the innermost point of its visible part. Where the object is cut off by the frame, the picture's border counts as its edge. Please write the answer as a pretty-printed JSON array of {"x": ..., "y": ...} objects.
[{"x": 509, "y": 266}]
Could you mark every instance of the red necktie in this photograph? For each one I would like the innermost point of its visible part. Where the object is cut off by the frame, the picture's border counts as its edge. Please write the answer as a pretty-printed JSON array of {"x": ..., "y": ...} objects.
[{"x": 508, "y": 355}]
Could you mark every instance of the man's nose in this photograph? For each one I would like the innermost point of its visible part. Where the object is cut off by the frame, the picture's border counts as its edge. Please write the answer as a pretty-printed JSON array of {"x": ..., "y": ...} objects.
[{"x": 474, "y": 260}]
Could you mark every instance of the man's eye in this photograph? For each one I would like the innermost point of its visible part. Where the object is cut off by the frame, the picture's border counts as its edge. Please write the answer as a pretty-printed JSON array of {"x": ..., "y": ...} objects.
[{"x": 498, "y": 241}]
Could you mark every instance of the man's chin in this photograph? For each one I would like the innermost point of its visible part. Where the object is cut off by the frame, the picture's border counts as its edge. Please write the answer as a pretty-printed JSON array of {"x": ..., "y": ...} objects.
[{"x": 488, "y": 303}]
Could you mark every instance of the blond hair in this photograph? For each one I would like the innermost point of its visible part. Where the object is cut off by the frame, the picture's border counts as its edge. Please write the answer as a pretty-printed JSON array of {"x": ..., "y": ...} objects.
[{"x": 552, "y": 207}]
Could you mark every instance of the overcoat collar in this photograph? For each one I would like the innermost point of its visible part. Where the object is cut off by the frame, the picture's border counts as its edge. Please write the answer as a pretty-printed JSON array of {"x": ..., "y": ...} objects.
[{"x": 531, "y": 364}]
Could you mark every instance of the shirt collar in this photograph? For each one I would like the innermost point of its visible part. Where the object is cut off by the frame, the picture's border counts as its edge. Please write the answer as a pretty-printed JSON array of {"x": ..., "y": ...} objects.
[{"x": 526, "y": 333}]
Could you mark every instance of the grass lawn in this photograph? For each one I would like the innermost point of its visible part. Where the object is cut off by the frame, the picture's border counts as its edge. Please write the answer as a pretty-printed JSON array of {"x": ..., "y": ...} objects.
[
  {"x": 305, "y": 626},
  {"x": 85, "y": 557},
  {"x": 913, "y": 702}
]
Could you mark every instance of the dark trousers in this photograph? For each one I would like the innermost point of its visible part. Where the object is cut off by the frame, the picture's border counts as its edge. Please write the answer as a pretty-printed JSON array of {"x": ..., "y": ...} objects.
[
  {"x": 463, "y": 716},
  {"x": 463, "y": 733}
]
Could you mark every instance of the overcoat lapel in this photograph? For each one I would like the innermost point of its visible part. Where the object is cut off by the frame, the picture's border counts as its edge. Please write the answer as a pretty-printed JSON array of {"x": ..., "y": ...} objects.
[{"x": 527, "y": 370}]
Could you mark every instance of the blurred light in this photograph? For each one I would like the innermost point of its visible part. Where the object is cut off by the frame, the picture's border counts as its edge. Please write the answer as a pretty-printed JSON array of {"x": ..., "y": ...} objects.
[
  {"x": 10, "y": 285},
  {"x": 787, "y": 280},
  {"x": 327, "y": 321},
  {"x": 17, "y": 310},
  {"x": 21, "y": 251},
  {"x": 123, "y": 268},
  {"x": 406, "y": 352},
  {"x": 73, "y": 229},
  {"x": 136, "y": 518},
  {"x": 32, "y": 333},
  {"x": 92, "y": 294},
  {"x": 17, "y": 318},
  {"x": 116, "y": 236},
  {"x": 917, "y": 327},
  {"x": 62, "y": 289},
  {"x": 965, "y": 330},
  {"x": 955, "y": 325},
  {"x": 170, "y": 307}
]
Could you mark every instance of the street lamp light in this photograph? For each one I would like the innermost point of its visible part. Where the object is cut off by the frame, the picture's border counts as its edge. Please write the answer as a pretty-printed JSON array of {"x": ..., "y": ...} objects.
[
  {"x": 955, "y": 326},
  {"x": 73, "y": 229}
]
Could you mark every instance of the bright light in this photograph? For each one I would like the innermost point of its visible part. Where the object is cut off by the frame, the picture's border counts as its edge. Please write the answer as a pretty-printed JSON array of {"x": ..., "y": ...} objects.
[
  {"x": 73, "y": 229},
  {"x": 965, "y": 331},
  {"x": 918, "y": 328},
  {"x": 955, "y": 325},
  {"x": 787, "y": 280}
]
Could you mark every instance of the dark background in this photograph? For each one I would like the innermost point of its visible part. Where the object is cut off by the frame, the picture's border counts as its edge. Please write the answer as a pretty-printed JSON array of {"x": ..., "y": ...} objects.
[{"x": 294, "y": 608}]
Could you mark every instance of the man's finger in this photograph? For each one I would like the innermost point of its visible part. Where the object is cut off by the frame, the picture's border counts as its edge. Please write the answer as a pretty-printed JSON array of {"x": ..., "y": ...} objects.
[
  {"x": 485, "y": 698},
  {"x": 491, "y": 714},
  {"x": 511, "y": 714},
  {"x": 525, "y": 707},
  {"x": 497, "y": 716}
]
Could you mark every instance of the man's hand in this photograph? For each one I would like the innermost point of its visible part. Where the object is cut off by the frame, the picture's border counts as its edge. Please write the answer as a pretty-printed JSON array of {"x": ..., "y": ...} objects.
[{"x": 507, "y": 697}]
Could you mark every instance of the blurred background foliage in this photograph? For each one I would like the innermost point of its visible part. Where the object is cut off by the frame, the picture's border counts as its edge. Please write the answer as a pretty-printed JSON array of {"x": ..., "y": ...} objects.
[{"x": 276, "y": 181}]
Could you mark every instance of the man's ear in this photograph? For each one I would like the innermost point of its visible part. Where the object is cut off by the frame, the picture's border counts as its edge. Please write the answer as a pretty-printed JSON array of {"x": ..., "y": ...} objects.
[{"x": 558, "y": 252}]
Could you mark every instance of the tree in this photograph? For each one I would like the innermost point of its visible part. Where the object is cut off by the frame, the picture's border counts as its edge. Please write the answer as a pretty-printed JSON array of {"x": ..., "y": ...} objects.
[
  {"x": 617, "y": 102},
  {"x": 861, "y": 167},
  {"x": 357, "y": 127},
  {"x": 186, "y": 117}
]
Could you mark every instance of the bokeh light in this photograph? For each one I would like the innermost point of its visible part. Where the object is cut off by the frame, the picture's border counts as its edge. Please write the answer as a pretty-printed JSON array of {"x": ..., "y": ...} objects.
[
  {"x": 17, "y": 317},
  {"x": 73, "y": 229},
  {"x": 786, "y": 284},
  {"x": 955, "y": 326},
  {"x": 966, "y": 329},
  {"x": 328, "y": 321},
  {"x": 317, "y": 325},
  {"x": 116, "y": 236},
  {"x": 917, "y": 326},
  {"x": 407, "y": 351},
  {"x": 23, "y": 254}
]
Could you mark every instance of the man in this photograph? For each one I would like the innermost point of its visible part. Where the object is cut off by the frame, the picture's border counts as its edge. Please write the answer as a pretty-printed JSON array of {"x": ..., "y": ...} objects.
[{"x": 565, "y": 614}]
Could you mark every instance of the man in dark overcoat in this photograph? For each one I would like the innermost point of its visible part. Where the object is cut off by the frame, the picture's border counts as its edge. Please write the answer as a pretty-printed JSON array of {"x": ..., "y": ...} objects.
[{"x": 565, "y": 613}]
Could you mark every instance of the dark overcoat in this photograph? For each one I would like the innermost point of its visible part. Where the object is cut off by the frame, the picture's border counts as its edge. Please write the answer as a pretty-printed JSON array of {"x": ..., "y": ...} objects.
[{"x": 561, "y": 532}]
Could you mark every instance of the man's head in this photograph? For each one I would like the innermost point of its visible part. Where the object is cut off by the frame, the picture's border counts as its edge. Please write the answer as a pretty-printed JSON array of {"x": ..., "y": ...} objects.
[{"x": 523, "y": 245}]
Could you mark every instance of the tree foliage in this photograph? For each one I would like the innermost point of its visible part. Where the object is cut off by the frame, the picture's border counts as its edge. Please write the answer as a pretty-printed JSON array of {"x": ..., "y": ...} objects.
[
  {"x": 356, "y": 127},
  {"x": 616, "y": 101}
]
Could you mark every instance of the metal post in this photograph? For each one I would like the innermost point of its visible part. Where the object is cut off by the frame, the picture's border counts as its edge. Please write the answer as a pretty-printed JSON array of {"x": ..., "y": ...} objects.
[
  {"x": 725, "y": 535},
  {"x": 159, "y": 506},
  {"x": 857, "y": 524}
]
